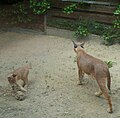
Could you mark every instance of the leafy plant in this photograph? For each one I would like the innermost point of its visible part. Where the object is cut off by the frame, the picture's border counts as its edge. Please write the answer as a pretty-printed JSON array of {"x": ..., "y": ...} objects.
[
  {"x": 3, "y": 13},
  {"x": 109, "y": 63},
  {"x": 111, "y": 36},
  {"x": 117, "y": 20},
  {"x": 81, "y": 32},
  {"x": 39, "y": 7},
  {"x": 108, "y": 39},
  {"x": 20, "y": 10},
  {"x": 116, "y": 23},
  {"x": 70, "y": 9}
]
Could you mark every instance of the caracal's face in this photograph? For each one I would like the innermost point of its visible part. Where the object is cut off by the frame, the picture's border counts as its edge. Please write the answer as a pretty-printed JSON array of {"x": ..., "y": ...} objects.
[
  {"x": 11, "y": 79},
  {"x": 78, "y": 46}
]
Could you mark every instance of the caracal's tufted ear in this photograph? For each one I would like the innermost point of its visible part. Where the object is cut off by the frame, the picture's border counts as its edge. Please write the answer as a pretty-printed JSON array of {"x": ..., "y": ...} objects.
[
  {"x": 75, "y": 45},
  {"x": 82, "y": 44}
]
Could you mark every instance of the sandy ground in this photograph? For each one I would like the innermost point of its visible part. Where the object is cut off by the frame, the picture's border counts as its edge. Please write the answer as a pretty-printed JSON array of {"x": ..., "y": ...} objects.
[{"x": 53, "y": 90}]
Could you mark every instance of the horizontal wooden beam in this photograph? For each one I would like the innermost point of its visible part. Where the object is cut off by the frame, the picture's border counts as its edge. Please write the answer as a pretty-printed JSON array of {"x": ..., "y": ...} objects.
[
  {"x": 93, "y": 2},
  {"x": 92, "y": 8},
  {"x": 89, "y": 8},
  {"x": 86, "y": 15}
]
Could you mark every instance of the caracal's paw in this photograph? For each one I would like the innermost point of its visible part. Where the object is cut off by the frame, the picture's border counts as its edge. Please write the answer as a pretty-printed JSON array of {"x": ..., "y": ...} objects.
[
  {"x": 109, "y": 110},
  {"x": 98, "y": 94},
  {"x": 23, "y": 89},
  {"x": 79, "y": 83}
]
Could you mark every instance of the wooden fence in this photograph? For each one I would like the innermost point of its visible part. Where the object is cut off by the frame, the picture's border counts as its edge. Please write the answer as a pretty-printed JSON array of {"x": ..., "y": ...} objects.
[{"x": 99, "y": 11}]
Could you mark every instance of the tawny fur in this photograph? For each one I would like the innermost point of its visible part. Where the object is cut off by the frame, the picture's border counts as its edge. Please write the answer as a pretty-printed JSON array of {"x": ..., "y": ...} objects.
[
  {"x": 19, "y": 78},
  {"x": 96, "y": 68}
]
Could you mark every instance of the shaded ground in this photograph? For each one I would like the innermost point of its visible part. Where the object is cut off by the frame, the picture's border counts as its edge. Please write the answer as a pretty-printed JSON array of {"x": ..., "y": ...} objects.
[{"x": 52, "y": 89}]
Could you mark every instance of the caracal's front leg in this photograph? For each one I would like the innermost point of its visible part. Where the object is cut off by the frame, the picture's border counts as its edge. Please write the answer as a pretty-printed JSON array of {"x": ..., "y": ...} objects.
[
  {"x": 80, "y": 75},
  {"x": 21, "y": 87},
  {"x": 26, "y": 83}
]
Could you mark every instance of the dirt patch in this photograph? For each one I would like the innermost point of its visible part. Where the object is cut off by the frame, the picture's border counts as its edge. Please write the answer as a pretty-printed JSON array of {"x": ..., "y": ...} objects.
[{"x": 53, "y": 90}]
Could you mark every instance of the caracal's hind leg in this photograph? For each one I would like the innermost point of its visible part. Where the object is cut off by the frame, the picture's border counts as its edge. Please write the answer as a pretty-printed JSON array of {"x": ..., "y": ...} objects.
[{"x": 102, "y": 85}]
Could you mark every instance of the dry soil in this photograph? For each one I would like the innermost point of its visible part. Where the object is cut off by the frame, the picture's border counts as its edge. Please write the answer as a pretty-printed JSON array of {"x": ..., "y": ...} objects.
[{"x": 53, "y": 90}]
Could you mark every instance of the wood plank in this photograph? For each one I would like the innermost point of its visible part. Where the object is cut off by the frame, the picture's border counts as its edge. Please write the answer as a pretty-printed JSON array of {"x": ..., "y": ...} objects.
[
  {"x": 100, "y": 13},
  {"x": 92, "y": 8},
  {"x": 97, "y": 9},
  {"x": 95, "y": 1},
  {"x": 59, "y": 2},
  {"x": 92, "y": 2},
  {"x": 89, "y": 8},
  {"x": 84, "y": 15}
]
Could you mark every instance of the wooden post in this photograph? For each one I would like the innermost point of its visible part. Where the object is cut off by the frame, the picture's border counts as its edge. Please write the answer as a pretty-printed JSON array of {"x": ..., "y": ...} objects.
[{"x": 45, "y": 24}]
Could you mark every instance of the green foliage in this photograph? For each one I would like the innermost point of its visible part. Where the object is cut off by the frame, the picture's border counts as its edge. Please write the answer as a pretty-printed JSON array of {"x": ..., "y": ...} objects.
[
  {"x": 91, "y": 26},
  {"x": 111, "y": 36},
  {"x": 39, "y": 7},
  {"x": 62, "y": 23},
  {"x": 108, "y": 39},
  {"x": 82, "y": 28},
  {"x": 117, "y": 11},
  {"x": 116, "y": 23},
  {"x": 117, "y": 20},
  {"x": 70, "y": 9},
  {"x": 110, "y": 63},
  {"x": 20, "y": 10},
  {"x": 3, "y": 13},
  {"x": 81, "y": 32}
]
